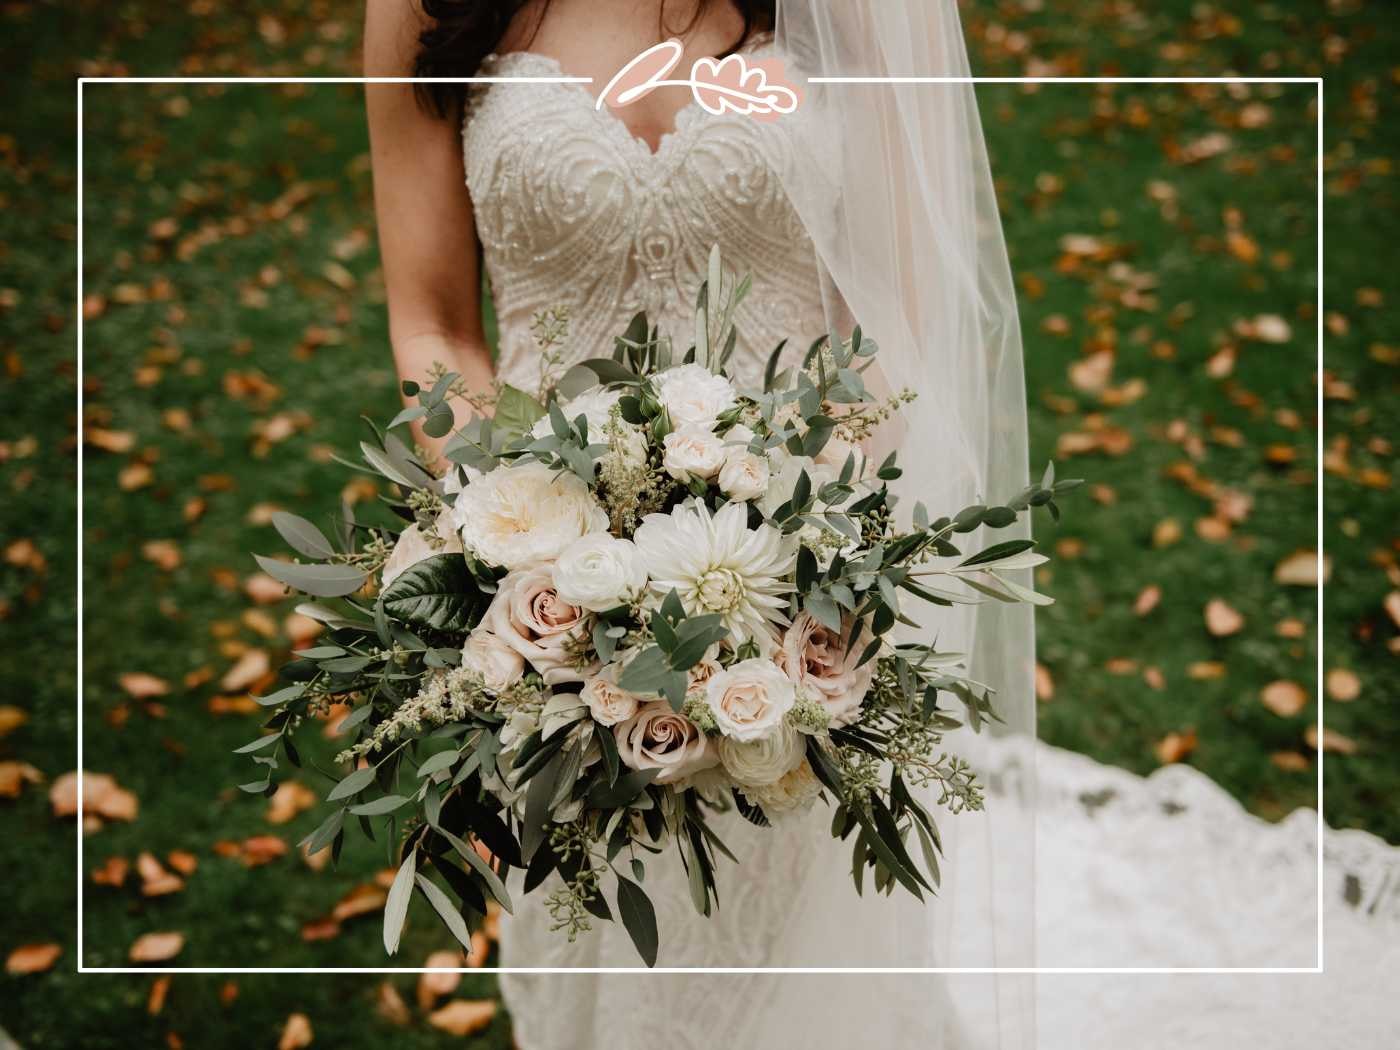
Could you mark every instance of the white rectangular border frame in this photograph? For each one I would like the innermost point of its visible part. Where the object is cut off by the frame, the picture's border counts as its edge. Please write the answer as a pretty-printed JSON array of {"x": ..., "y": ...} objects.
[{"x": 1319, "y": 692}]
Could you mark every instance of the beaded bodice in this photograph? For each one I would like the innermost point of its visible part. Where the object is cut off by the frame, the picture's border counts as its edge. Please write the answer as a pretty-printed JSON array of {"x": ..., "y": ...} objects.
[{"x": 574, "y": 211}]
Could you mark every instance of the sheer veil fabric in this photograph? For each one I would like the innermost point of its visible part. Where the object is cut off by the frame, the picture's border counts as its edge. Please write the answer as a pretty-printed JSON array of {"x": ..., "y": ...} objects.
[{"x": 893, "y": 185}]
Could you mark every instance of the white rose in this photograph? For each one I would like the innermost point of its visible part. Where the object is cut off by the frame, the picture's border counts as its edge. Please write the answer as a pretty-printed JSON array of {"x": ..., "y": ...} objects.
[
  {"x": 658, "y": 738},
  {"x": 630, "y": 447},
  {"x": 529, "y": 617},
  {"x": 518, "y": 516},
  {"x": 795, "y": 790},
  {"x": 693, "y": 394},
  {"x": 412, "y": 547},
  {"x": 594, "y": 404},
  {"x": 607, "y": 702},
  {"x": 750, "y": 698},
  {"x": 499, "y": 665},
  {"x": 756, "y": 763},
  {"x": 744, "y": 476},
  {"x": 692, "y": 452},
  {"x": 599, "y": 572}
]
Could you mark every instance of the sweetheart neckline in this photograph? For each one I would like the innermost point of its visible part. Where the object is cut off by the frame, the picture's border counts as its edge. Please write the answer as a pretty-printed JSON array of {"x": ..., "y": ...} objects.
[{"x": 605, "y": 113}]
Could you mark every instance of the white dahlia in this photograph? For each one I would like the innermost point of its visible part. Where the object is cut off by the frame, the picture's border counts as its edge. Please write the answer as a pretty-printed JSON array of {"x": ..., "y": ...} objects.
[
  {"x": 717, "y": 564},
  {"x": 526, "y": 514}
]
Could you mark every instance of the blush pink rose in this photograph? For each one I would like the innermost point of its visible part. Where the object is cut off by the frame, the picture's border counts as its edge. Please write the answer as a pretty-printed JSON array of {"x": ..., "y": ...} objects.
[
  {"x": 814, "y": 658},
  {"x": 658, "y": 738},
  {"x": 530, "y": 617}
]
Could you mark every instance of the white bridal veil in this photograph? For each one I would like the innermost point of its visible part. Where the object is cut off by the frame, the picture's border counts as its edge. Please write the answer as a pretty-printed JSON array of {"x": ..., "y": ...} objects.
[{"x": 893, "y": 184}]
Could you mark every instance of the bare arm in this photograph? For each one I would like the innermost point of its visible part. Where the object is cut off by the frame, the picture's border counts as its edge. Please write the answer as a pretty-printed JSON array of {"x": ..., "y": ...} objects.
[{"x": 427, "y": 236}]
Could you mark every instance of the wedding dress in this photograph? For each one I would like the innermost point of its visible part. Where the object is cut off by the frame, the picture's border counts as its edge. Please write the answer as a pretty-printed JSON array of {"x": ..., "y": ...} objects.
[{"x": 574, "y": 212}]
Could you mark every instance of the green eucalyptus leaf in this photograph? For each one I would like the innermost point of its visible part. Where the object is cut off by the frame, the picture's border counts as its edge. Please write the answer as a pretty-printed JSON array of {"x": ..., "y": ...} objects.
[
  {"x": 396, "y": 906},
  {"x": 302, "y": 536},
  {"x": 639, "y": 917},
  {"x": 323, "y": 581}
]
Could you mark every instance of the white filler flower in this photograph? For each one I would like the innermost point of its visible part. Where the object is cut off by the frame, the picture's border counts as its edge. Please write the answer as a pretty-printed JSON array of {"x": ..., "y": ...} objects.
[
  {"x": 522, "y": 515},
  {"x": 717, "y": 564}
]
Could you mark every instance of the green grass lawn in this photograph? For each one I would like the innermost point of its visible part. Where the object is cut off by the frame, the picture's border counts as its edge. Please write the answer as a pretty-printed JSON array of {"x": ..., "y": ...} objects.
[{"x": 1163, "y": 240}]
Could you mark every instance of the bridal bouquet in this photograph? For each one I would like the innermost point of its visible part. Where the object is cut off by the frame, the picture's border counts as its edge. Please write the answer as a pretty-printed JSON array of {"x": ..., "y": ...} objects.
[{"x": 643, "y": 597}]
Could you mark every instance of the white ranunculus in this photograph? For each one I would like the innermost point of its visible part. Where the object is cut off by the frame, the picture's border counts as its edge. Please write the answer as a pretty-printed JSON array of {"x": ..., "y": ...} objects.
[
  {"x": 693, "y": 451},
  {"x": 794, "y": 791},
  {"x": 693, "y": 394},
  {"x": 499, "y": 665},
  {"x": 594, "y": 404},
  {"x": 607, "y": 702},
  {"x": 658, "y": 738},
  {"x": 750, "y": 698},
  {"x": 599, "y": 572},
  {"x": 412, "y": 547},
  {"x": 757, "y": 763},
  {"x": 525, "y": 514},
  {"x": 744, "y": 476},
  {"x": 717, "y": 564},
  {"x": 527, "y": 615}
]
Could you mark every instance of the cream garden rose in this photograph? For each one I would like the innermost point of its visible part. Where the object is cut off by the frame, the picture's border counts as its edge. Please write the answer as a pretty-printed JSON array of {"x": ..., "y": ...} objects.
[
  {"x": 658, "y": 738},
  {"x": 814, "y": 658},
  {"x": 744, "y": 475},
  {"x": 499, "y": 665},
  {"x": 525, "y": 514},
  {"x": 693, "y": 394},
  {"x": 599, "y": 572},
  {"x": 693, "y": 452},
  {"x": 528, "y": 615},
  {"x": 594, "y": 405},
  {"x": 607, "y": 702},
  {"x": 412, "y": 547},
  {"x": 750, "y": 698},
  {"x": 756, "y": 763}
]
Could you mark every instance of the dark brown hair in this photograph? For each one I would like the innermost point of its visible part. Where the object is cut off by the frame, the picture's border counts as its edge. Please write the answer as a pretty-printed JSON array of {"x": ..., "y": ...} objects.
[{"x": 463, "y": 32}]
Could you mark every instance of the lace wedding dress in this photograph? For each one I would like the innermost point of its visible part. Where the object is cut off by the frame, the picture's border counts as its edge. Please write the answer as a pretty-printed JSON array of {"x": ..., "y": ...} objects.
[{"x": 574, "y": 212}]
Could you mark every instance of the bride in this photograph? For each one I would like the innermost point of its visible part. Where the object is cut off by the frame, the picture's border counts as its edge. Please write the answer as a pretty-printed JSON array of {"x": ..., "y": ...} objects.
[{"x": 871, "y": 204}]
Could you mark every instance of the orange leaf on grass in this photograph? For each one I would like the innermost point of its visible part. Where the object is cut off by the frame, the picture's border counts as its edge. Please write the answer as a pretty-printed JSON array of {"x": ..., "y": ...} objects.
[
  {"x": 296, "y": 1033},
  {"x": 33, "y": 958},
  {"x": 156, "y": 947},
  {"x": 1174, "y": 747},
  {"x": 1221, "y": 619},
  {"x": 14, "y": 775},
  {"x": 141, "y": 686},
  {"x": 463, "y": 1016},
  {"x": 1285, "y": 699},
  {"x": 433, "y": 986}
]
